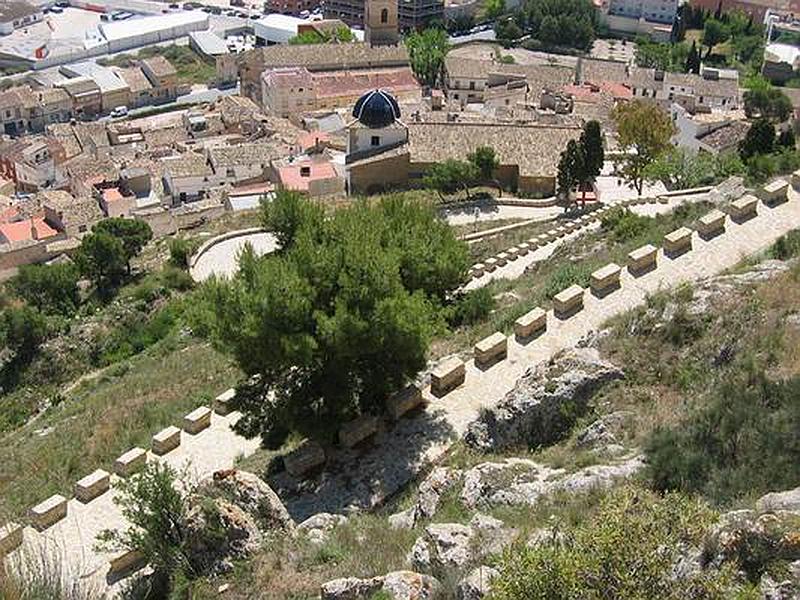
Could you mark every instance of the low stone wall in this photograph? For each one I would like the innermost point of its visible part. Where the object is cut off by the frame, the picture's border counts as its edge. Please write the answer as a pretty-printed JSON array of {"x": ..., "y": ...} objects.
[{"x": 210, "y": 243}]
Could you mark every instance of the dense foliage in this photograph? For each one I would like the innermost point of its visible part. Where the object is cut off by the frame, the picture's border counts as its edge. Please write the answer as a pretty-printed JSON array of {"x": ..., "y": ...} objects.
[
  {"x": 569, "y": 23},
  {"x": 626, "y": 550},
  {"x": 582, "y": 160},
  {"x": 644, "y": 133},
  {"x": 48, "y": 288},
  {"x": 340, "y": 318},
  {"x": 678, "y": 168},
  {"x": 426, "y": 52},
  {"x": 744, "y": 441}
]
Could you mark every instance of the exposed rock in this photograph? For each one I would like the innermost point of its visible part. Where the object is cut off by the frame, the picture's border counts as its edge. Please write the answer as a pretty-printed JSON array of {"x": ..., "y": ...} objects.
[
  {"x": 320, "y": 525},
  {"x": 446, "y": 546},
  {"x": 217, "y": 532},
  {"x": 431, "y": 489},
  {"x": 520, "y": 482},
  {"x": 405, "y": 519},
  {"x": 600, "y": 476},
  {"x": 545, "y": 535},
  {"x": 400, "y": 585},
  {"x": 788, "y": 500},
  {"x": 350, "y": 588},
  {"x": 440, "y": 480},
  {"x": 442, "y": 546},
  {"x": 604, "y": 431},
  {"x": 737, "y": 532},
  {"x": 253, "y": 495},
  {"x": 476, "y": 585},
  {"x": 407, "y": 585},
  {"x": 532, "y": 413}
]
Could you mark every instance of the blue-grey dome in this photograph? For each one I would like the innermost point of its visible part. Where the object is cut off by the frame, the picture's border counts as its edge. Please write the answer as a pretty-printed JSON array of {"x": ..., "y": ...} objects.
[{"x": 376, "y": 109}]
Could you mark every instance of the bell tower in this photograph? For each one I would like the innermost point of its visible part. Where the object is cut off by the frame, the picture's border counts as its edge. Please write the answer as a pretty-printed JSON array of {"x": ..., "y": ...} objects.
[{"x": 380, "y": 23}]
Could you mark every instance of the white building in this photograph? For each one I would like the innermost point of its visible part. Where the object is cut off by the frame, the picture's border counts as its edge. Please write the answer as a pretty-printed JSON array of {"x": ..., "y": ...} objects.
[
  {"x": 653, "y": 18},
  {"x": 276, "y": 29},
  {"x": 132, "y": 33}
]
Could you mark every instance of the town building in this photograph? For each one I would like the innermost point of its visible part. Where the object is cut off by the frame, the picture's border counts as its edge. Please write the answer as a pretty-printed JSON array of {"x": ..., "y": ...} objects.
[
  {"x": 141, "y": 90},
  {"x": 291, "y": 7},
  {"x": 162, "y": 76},
  {"x": 381, "y": 23},
  {"x": 469, "y": 81},
  {"x": 352, "y": 57},
  {"x": 384, "y": 152},
  {"x": 29, "y": 162},
  {"x": 86, "y": 97},
  {"x": 114, "y": 90},
  {"x": 15, "y": 14},
  {"x": 724, "y": 139},
  {"x": 276, "y": 28},
  {"x": 713, "y": 89},
  {"x": 314, "y": 175},
  {"x": 291, "y": 91},
  {"x": 755, "y": 8},
  {"x": 781, "y": 62},
  {"x": 653, "y": 18},
  {"x": 411, "y": 14},
  {"x": 287, "y": 91}
]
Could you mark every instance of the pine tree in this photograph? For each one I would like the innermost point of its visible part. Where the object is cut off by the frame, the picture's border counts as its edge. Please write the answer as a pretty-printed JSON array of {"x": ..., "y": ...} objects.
[{"x": 693, "y": 60}]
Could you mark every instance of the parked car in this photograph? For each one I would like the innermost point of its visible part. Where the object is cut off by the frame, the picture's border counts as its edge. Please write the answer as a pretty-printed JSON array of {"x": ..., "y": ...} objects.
[
  {"x": 62, "y": 4},
  {"x": 119, "y": 112},
  {"x": 57, "y": 10}
]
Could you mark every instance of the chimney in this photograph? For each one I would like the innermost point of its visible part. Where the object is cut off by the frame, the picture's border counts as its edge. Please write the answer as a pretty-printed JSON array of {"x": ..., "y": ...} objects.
[{"x": 34, "y": 233}]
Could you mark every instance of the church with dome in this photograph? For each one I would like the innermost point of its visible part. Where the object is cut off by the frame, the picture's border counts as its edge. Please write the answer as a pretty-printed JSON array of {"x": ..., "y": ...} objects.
[{"x": 384, "y": 152}]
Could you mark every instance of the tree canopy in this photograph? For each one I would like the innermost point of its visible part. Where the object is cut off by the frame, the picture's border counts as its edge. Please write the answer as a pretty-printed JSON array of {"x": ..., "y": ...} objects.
[
  {"x": 569, "y": 23},
  {"x": 426, "y": 52},
  {"x": 766, "y": 101},
  {"x": 451, "y": 176},
  {"x": 337, "y": 320},
  {"x": 644, "y": 131},
  {"x": 582, "y": 160},
  {"x": 485, "y": 161},
  {"x": 760, "y": 139},
  {"x": 50, "y": 288},
  {"x": 133, "y": 234}
]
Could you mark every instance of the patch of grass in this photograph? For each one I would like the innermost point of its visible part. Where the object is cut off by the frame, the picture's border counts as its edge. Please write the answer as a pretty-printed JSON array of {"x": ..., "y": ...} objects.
[
  {"x": 190, "y": 66},
  {"x": 105, "y": 417},
  {"x": 787, "y": 246}
]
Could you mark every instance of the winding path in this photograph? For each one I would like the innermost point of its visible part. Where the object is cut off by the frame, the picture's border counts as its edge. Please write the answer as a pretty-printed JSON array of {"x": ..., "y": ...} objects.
[{"x": 365, "y": 478}]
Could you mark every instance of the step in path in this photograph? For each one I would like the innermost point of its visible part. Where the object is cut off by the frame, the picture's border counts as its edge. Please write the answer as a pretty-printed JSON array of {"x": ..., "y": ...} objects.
[{"x": 366, "y": 476}]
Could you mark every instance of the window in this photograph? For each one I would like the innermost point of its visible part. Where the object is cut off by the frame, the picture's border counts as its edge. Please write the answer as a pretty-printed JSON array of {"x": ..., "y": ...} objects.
[
  {"x": 385, "y": 15},
  {"x": 375, "y": 141},
  {"x": 229, "y": 172},
  {"x": 472, "y": 85},
  {"x": 305, "y": 171}
]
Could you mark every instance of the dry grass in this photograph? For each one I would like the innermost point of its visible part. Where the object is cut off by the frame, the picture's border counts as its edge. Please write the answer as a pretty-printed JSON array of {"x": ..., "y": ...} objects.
[{"x": 104, "y": 417}]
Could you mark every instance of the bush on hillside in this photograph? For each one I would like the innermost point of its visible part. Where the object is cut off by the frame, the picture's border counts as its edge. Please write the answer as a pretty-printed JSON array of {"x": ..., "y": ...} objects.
[
  {"x": 471, "y": 307},
  {"x": 626, "y": 550},
  {"x": 744, "y": 441},
  {"x": 623, "y": 224},
  {"x": 787, "y": 246}
]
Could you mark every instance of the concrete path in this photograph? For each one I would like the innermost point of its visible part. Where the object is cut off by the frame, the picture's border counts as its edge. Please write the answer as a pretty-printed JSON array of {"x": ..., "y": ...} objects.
[
  {"x": 70, "y": 543},
  {"x": 361, "y": 480},
  {"x": 366, "y": 477},
  {"x": 222, "y": 259}
]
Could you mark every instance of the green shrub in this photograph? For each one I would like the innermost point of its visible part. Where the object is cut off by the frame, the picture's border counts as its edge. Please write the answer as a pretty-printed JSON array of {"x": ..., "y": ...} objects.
[
  {"x": 787, "y": 246},
  {"x": 565, "y": 276},
  {"x": 744, "y": 441},
  {"x": 626, "y": 550},
  {"x": 471, "y": 307},
  {"x": 180, "y": 252},
  {"x": 623, "y": 224}
]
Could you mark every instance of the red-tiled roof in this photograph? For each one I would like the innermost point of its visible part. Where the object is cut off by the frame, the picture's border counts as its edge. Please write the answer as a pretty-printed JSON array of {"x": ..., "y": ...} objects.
[
  {"x": 309, "y": 139},
  {"x": 21, "y": 230}
]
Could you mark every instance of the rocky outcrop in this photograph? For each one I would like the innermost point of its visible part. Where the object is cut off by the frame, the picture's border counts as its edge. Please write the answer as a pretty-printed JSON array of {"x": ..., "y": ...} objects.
[
  {"x": 254, "y": 496},
  {"x": 447, "y": 546},
  {"x": 476, "y": 585},
  {"x": 788, "y": 500},
  {"x": 603, "y": 432},
  {"x": 544, "y": 403},
  {"x": 440, "y": 481},
  {"x": 522, "y": 482},
  {"x": 399, "y": 585},
  {"x": 217, "y": 533},
  {"x": 318, "y": 527}
]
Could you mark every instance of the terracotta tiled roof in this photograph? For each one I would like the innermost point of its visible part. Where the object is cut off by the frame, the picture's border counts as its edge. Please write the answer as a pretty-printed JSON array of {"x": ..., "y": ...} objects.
[
  {"x": 726, "y": 137},
  {"x": 534, "y": 148}
]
